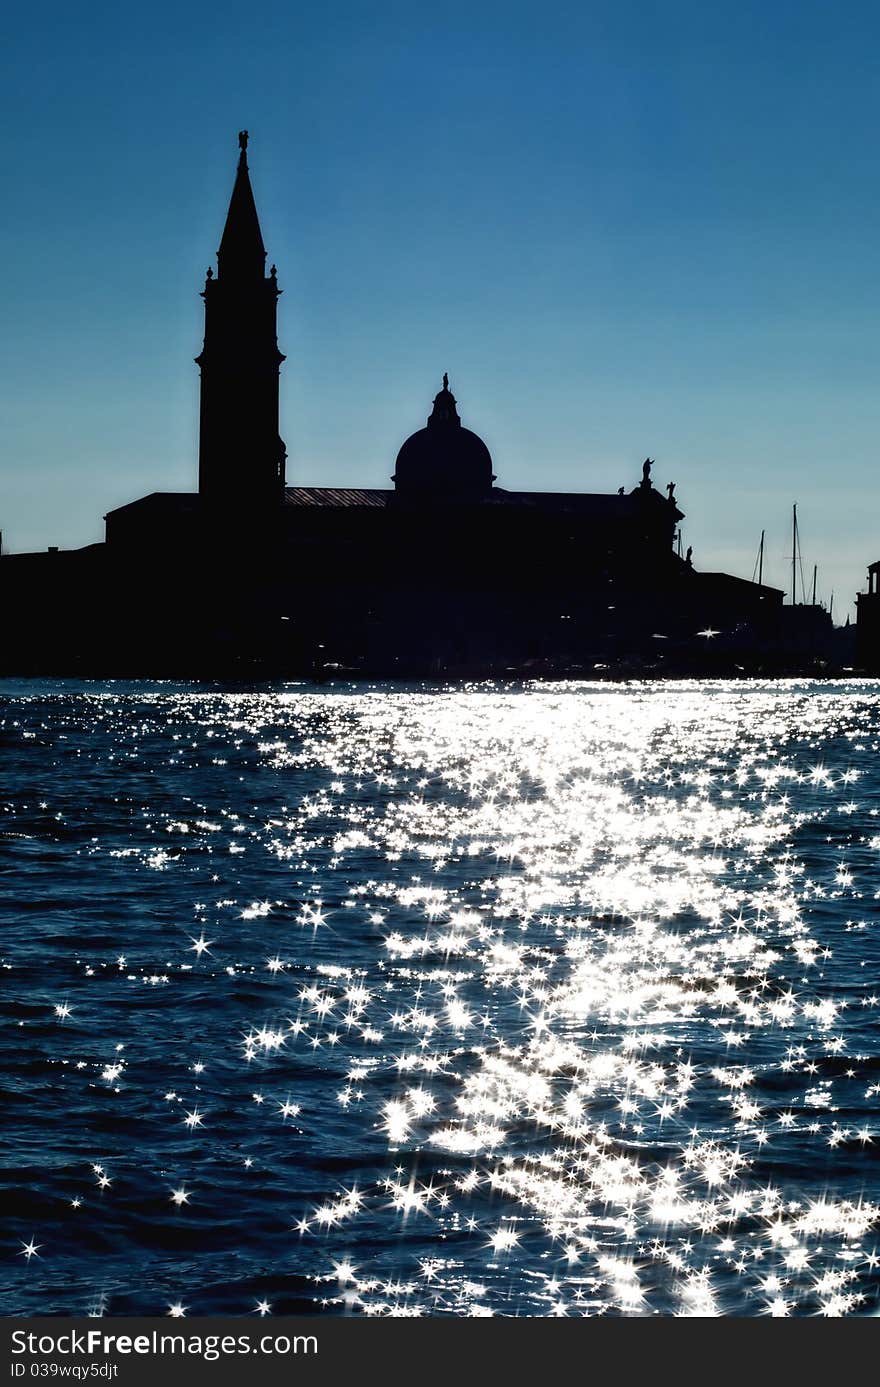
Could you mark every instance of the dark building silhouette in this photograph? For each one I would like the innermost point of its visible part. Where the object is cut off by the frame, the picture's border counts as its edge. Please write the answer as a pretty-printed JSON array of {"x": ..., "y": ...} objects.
[
  {"x": 868, "y": 623},
  {"x": 443, "y": 572}
]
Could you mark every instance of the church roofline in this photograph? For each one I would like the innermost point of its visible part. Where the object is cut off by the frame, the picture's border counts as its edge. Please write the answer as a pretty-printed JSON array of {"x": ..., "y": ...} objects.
[
  {"x": 375, "y": 497},
  {"x": 606, "y": 502},
  {"x": 731, "y": 580},
  {"x": 183, "y": 500}
]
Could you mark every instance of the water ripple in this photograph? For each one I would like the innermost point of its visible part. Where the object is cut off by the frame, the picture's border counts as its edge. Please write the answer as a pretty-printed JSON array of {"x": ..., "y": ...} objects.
[{"x": 554, "y": 999}]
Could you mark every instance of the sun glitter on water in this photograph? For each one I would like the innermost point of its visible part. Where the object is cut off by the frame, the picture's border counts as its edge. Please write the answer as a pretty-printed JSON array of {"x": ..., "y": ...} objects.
[{"x": 543, "y": 1000}]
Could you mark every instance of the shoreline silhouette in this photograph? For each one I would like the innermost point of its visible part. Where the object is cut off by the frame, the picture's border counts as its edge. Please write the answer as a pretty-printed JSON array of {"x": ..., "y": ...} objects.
[{"x": 444, "y": 574}]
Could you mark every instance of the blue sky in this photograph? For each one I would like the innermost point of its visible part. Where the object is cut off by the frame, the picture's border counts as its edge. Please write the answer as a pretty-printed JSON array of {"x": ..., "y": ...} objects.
[{"x": 622, "y": 228}]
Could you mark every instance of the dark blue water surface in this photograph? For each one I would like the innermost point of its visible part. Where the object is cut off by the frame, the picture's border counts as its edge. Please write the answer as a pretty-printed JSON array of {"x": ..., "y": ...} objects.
[{"x": 556, "y": 999}]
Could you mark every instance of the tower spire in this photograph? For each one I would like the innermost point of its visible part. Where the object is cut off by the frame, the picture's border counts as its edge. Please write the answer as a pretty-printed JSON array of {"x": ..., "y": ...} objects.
[
  {"x": 242, "y": 252},
  {"x": 241, "y": 455}
]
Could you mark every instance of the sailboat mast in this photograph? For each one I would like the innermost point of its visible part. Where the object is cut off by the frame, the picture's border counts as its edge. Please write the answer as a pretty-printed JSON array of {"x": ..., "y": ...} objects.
[
  {"x": 761, "y": 561},
  {"x": 793, "y": 553},
  {"x": 815, "y": 567}
]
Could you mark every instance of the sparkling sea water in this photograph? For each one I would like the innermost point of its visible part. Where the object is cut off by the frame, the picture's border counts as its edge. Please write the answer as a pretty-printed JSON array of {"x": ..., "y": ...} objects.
[{"x": 555, "y": 999}]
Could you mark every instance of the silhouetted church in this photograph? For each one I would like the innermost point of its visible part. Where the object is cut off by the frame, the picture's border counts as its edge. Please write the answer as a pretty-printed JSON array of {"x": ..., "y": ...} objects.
[{"x": 445, "y": 572}]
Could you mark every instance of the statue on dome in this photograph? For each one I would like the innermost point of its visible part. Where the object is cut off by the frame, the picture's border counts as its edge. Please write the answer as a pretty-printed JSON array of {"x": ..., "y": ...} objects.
[{"x": 646, "y": 471}]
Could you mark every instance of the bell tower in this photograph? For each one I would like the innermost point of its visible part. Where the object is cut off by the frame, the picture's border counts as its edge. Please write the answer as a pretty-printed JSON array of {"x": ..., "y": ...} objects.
[{"x": 241, "y": 454}]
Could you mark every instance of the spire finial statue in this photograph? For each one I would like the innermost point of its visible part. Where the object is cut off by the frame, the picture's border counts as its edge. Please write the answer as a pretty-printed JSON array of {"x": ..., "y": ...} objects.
[
  {"x": 242, "y": 140},
  {"x": 445, "y": 380}
]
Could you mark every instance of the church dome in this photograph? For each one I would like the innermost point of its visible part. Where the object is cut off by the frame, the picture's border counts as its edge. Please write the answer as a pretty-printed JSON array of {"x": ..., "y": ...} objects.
[{"x": 444, "y": 458}]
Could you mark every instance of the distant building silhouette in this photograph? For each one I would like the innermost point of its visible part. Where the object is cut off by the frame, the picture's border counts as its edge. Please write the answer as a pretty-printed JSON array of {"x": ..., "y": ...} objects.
[
  {"x": 868, "y": 623},
  {"x": 444, "y": 572}
]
